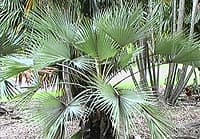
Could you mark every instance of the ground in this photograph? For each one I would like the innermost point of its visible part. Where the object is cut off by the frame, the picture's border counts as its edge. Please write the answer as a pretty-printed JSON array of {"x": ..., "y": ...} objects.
[{"x": 186, "y": 118}]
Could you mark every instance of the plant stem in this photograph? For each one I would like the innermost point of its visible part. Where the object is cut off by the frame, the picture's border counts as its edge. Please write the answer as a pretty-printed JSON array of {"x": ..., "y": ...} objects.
[
  {"x": 174, "y": 16},
  {"x": 194, "y": 11},
  {"x": 181, "y": 15},
  {"x": 179, "y": 90},
  {"x": 97, "y": 65},
  {"x": 134, "y": 79},
  {"x": 184, "y": 79}
]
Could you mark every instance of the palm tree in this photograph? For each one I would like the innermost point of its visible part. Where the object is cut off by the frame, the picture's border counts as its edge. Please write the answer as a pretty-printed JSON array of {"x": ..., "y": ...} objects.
[
  {"x": 176, "y": 80},
  {"x": 11, "y": 39},
  {"x": 85, "y": 54}
]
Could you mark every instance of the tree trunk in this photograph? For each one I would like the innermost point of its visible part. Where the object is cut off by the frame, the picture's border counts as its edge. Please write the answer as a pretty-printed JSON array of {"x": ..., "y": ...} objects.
[{"x": 98, "y": 126}]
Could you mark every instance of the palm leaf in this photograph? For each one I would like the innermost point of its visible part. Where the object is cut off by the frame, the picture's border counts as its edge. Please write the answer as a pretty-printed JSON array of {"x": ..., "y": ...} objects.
[
  {"x": 53, "y": 115},
  {"x": 7, "y": 90},
  {"x": 8, "y": 47},
  {"x": 26, "y": 96},
  {"x": 179, "y": 49},
  {"x": 157, "y": 123},
  {"x": 170, "y": 45},
  {"x": 11, "y": 14},
  {"x": 95, "y": 43},
  {"x": 10, "y": 41},
  {"x": 82, "y": 63},
  {"x": 123, "y": 24},
  {"x": 50, "y": 52},
  {"x": 13, "y": 65},
  {"x": 123, "y": 106},
  {"x": 54, "y": 22}
]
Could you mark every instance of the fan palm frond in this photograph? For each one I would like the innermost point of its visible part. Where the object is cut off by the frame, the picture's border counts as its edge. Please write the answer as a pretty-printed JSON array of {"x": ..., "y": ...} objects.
[
  {"x": 170, "y": 45},
  {"x": 123, "y": 106},
  {"x": 127, "y": 56},
  {"x": 11, "y": 14},
  {"x": 11, "y": 5},
  {"x": 53, "y": 22},
  {"x": 13, "y": 65},
  {"x": 157, "y": 123},
  {"x": 82, "y": 63},
  {"x": 24, "y": 97},
  {"x": 189, "y": 53},
  {"x": 53, "y": 115},
  {"x": 7, "y": 90},
  {"x": 180, "y": 48},
  {"x": 10, "y": 42},
  {"x": 123, "y": 24},
  {"x": 95, "y": 43},
  {"x": 50, "y": 52}
]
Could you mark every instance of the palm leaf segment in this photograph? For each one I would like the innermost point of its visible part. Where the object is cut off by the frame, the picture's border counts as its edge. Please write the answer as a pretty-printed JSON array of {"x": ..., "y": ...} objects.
[
  {"x": 11, "y": 66},
  {"x": 110, "y": 31},
  {"x": 179, "y": 49},
  {"x": 95, "y": 43},
  {"x": 123, "y": 106},
  {"x": 124, "y": 25},
  {"x": 53, "y": 37},
  {"x": 53, "y": 115}
]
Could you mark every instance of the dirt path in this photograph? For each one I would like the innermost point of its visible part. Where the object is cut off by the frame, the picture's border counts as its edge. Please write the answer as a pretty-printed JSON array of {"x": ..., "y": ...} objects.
[{"x": 12, "y": 126}]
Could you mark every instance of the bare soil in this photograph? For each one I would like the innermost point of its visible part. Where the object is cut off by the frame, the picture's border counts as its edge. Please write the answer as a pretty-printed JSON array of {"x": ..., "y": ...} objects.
[{"x": 186, "y": 118}]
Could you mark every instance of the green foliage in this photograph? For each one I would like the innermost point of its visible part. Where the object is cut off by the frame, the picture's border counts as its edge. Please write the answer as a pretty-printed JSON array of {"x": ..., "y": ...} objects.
[
  {"x": 53, "y": 115},
  {"x": 86, "y": 55},
  {"x": 95, "y": 43},
  {"x": 13, "y": 65},
  {"x": 53, "y": 22},
  {"x": 7, "y": 90},
  {"x": 10, "y": 43},
  {"x": 11, "y": 35},
  {"x": 124, "y": 25},
  {"x": 158, "y": 125},
  {"x": 179, "y": 49},
  {"x": 51, "y": 51},
  {"x": 123, "y": 106}
]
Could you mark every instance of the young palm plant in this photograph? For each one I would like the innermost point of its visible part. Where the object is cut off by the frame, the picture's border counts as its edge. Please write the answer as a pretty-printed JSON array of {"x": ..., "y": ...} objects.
[
  {"x": 11, "y": 39},
  {"x": 85, "y": 55}
]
